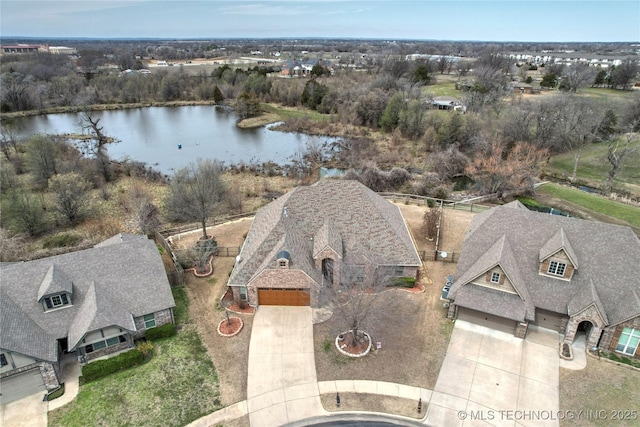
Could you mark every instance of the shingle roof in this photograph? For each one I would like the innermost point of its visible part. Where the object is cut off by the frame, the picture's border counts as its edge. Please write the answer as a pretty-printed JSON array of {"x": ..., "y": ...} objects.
[
  {"x": 55, "y": 281},
  {"x": 584, "y": 298},
  {"x": 557, "y": 242},
  {"x": 341, "y": 213},
  {"x": 98, "y": 310},
  {"x": 129, "y": 274},
  {"x": 609, "y": 256}
]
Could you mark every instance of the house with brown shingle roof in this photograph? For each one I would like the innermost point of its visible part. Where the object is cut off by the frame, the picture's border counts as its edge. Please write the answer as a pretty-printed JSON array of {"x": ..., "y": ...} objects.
[
  {"x": 89, "y": 303},
  {"x": 325, "y": 234},
  {"x": 519, "y": 268}
]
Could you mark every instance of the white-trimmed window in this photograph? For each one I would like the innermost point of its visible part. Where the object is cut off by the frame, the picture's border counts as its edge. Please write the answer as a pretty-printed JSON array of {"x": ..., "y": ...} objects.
[
  {"x": 55, "y": 301},
  {"x": 557, "y": 268},
  {"x": 110, "y": 342},
  {"x": 282, "y": 263},
  {"x": 495, "y": 277},
  {"x": 149, "y": 321},
  {"x": 243, "y": 293},
  {"x": 628, "y": 342}
]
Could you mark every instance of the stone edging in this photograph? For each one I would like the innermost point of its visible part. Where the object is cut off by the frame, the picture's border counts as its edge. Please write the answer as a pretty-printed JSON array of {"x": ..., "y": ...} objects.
[
  {"x": 233, "y": 334},
  {"x": 354, "y": 355},
  {"x": 208, "y": 273}
]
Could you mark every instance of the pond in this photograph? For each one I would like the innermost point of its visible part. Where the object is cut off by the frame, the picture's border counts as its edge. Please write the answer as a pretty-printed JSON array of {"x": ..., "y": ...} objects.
[{"x": 153, "y": 134}]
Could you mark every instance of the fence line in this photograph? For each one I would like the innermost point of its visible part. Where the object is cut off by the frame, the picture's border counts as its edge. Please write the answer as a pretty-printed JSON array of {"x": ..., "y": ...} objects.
[
  {"x": 176, "y": 278},
  {"x": 436, "y": 255},
  {"x": 196, "y": 226},
  {"x": 468, "y": 205}
]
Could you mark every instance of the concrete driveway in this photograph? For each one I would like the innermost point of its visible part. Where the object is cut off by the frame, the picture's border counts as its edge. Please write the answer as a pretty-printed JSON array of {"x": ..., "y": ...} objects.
[
  {"x": 30, "y": 411},
  {"x": 492, "y": 378},
  {"x": 282, "y": 384}
]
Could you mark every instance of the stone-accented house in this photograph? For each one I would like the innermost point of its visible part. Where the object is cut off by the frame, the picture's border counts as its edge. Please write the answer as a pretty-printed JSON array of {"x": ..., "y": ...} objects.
[
  {"x": 92, "y": 303},
  {"x": 521, "y": 268},
  {"x": 326, "y": 234}
]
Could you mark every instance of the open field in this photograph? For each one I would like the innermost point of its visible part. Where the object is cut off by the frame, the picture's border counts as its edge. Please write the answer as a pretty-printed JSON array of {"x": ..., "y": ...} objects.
[
  {"x": 593, "y": 168},
  {"x": 590, "y": 206}
]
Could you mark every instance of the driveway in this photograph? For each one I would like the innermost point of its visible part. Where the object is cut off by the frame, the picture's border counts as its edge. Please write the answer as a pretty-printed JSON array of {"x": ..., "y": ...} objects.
[
  {"x": 30, "y": 411},
  {"x": 492, "y": 378},
  {"x": 282, "y": 384}
]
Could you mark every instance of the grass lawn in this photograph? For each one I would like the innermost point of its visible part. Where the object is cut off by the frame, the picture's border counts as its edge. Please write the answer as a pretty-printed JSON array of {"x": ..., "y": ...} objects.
[
  {"x": 598, "y": 204},
  {"x": 601, "y": 386},
  {"x": 178, "y": 385},
  {"x": 291, "y": 113},
  {"x": 593, "y": 167},
  {"x": 446, "y": 88}
]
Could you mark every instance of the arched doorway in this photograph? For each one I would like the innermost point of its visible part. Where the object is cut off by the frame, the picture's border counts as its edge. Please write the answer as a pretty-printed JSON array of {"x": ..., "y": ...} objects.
[{"x": 327, "y": 271}]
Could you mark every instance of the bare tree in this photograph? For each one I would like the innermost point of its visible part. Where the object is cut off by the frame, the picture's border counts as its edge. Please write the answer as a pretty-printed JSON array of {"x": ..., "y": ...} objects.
[
  {"x": 430, "y": 222},
  {"x": 25, "y": 212},
  {"x": 71, "y": 195},
  {"x": 8, "y": 140},
  {"x": 618, "y": 151},
  {"x": 577, "y": 76},
  {"x": 97, "y": 144},
  {"x": 497, "y": 170},
  {"x": 42, "y": 158},
  {"x": 624, "y": 74},
  {"x": 145, "y": 211},
  {"x": 353, "y": 299},
  {"x": 194, "y": 192}
]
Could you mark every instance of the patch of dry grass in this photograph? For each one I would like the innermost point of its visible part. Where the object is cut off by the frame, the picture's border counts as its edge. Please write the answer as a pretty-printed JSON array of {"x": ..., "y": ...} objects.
[
  {"x": 601, "y": 386},
  {"x": 373, "y": 403}
]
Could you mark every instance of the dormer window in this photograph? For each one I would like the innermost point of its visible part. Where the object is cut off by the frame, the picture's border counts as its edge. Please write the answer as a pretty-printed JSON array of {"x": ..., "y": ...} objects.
[
  {"x": 557, "y": 268},
  {"x": 495, "y": 277},
  {"x": 56, "y": 301},
  {"x": 283, "y": 259}
]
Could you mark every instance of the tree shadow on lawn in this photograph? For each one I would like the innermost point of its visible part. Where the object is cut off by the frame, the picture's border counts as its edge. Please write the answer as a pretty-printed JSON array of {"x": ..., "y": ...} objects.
[{"x": 413, "y": 337}]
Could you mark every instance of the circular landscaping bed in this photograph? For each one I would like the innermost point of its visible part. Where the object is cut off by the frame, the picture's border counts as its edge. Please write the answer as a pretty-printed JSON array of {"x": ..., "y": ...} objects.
[
  {"x": 231, "y": 327},
  {"x": 359, "y": 347}
]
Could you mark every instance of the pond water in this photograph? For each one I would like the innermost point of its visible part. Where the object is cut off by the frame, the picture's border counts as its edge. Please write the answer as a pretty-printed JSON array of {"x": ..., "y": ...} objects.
[{"x": 152, "y": 135}]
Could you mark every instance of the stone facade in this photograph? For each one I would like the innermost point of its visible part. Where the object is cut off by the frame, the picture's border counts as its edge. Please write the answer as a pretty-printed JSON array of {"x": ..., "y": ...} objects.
[
  {"x": 591, "y": 315},
  {"x": 161, "y": 317},
  {"x": 521, "y": 330},
  {"x": 88, "y": 357},
  {"x": 611, "y": 335},
  {"x": 49, "y": 371}
]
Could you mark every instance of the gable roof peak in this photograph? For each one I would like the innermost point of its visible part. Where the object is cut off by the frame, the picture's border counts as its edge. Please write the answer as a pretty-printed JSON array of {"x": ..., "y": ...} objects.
[
  {"x": 559, "y": 241},
  {"x": 54, "y": 281}
]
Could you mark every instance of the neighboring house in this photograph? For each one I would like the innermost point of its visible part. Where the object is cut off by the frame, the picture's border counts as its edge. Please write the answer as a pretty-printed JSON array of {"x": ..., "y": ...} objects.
[
  {"x": 447, "y": 103},
  {"x": 332, "y": 233},
  {"x": 92, "y": 303},
  {"x": 524, "y": 88},
  {"x": 521, "y": 268},
  {"x": 297, "y": 67}
]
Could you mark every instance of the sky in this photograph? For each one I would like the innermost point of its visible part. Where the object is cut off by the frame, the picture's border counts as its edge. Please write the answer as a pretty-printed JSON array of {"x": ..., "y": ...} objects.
[{"x": 477, "y": 20}]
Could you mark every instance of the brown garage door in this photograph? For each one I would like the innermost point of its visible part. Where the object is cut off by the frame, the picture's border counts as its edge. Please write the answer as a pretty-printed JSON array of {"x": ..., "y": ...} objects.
[
  {"x": 273, "y": 296},
  {"x": 550, "y": 320},
  {"x": 488, "y": 320}
]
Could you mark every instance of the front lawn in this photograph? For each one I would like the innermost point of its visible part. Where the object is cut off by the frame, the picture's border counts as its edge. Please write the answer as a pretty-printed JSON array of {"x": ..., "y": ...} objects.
[{"x": 178, "y": 385}]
